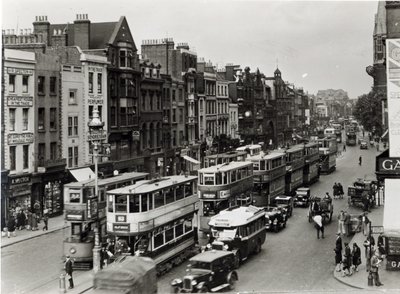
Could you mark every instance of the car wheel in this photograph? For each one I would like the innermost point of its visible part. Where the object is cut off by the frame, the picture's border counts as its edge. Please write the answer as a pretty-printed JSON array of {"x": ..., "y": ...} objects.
[
  {"x": 232, "y": 282},
  {"x": 237, "y": 260},
  {"x": 203, "y": 289}
]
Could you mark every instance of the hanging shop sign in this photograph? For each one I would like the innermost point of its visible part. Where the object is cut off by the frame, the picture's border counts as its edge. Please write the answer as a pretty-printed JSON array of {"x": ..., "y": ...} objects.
[{"x": 97, "y": 135}]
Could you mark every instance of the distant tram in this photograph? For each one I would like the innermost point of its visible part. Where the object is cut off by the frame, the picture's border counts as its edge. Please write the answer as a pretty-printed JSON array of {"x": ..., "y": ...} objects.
[
  {"x": 269, "y": 177},
  {"x": 83, "y": 210},
  {"x": 223, "y": 186},
  {"x": 251, "y": 149},
  {"x": 155, "y": 218},
  {"x": 295, "y": 162},
  {"x": 226, "y": 157},
  {"x": 327, "y": 154},
  {"x": 311, "y": 165}
]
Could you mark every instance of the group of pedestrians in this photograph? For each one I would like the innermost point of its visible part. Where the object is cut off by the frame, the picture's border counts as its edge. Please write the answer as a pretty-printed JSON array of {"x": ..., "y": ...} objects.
[
  {"x": 347, "y": 260},
  {"x": 374, "y": 256},
  {"x": 344, "y": 223},
  {"x": 20, "y": 219},
  {"x": 338, "y": 192}
]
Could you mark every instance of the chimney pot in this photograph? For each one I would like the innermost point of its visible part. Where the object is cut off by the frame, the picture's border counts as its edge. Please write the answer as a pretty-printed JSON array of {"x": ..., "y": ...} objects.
[{"x": 21, "y": 31}]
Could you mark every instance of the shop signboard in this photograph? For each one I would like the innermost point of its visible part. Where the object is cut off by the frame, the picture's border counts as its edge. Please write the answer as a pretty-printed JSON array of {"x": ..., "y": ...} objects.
[
  {"x": 393, "y": 263},
  {"x": 24, "y": 101},
  {"x": 74, "y": 215},
  {"x": 22, "y": 138}
]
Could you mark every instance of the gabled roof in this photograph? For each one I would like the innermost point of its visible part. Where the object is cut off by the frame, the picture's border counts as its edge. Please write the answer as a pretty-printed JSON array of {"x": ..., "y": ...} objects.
[
  {"x": 380, "y": 19},
  {"x": 100, "y": 34}
]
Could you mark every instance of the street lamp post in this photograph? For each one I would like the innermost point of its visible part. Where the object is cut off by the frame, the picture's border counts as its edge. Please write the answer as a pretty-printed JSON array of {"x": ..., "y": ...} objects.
[{"x": 96, "y": 130}]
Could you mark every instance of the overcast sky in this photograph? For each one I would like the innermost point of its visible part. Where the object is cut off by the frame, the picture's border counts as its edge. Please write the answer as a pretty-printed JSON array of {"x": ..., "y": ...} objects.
[{"x": 317, "y": 45}]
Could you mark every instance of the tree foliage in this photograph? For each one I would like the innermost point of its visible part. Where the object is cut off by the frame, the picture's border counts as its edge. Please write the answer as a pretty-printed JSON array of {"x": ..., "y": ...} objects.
[{"x": 368, "y": 111}]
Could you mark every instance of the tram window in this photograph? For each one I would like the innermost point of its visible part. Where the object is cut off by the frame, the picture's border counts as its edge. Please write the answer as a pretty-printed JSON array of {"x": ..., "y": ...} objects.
[
  {"x": 209, "y": 180},
  {"x": 239, "y": 174},
  {"x": 218, "y": 179},
  {"x": 244, "y": 172},
  {"x": 178, "y": 230},
  {"x": 110, "y": 203},
  {"x": 201, "y": 179},
  {"x": 179, "y": 192},
  {"x": 158, "y": 239},
  {"x": 120, "y": 203},
  {"x": 159, "y": 199},
  {"x": 169, "y": 235},
  {"x": 262, "y": 165},
  {"x": 188, "y": 226},
  {"x": 134, "y": 203},
  {"x": 76, "y": 229},
  {"x": 74, "y": 197},
  {"x": 145, "y": 200},
  {"x": 188, "y": 189},
  {"x": 233, "y": 176},
  {"x": 169, "y": 195},
  {"x": 256, "y": 165},
  {"x": 102, "y": 195},
  {"x": 224, "y": 178}
]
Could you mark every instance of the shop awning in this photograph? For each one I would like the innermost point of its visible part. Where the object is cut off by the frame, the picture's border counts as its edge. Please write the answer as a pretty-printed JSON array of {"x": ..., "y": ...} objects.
[
  {"x": 82, "y": 174},
  {"x": 192, "y": 160}
]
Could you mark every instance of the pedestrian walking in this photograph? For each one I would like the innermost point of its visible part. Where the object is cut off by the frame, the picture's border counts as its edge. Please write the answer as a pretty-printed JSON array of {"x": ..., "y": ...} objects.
[
  {"x": 335, "y": 191},
  {"x": 338, "y": 259},
  {"x": 339, "y": 244},
  {"x": 360, "y": 160},
  {"x": 68, "y": 270},
  {"x": 344, "y": 147},
  {"x": 375, "y": 264},
  {"x": 365, "y": 223},
  {"x": 34, "y": 222},
  {"x": 46, "y": 222},
  {"x": 11, "y": 223},
  {"x": 347, "y": 261},
  {"x": 356, "y": 253},
  {"x": 347, "y": 223},
  {"x": 21, "y": 219},
  {"x": 341, "y": 192},
  {"x": 369, "y": 248},
  {"x": 319, "y": 225},
  {"x": 29, "y": 220},
  {"x": 341, "y": 226}
]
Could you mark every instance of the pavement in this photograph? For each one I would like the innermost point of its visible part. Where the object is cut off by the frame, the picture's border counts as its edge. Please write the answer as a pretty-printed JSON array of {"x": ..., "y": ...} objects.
[{"x": 359, "y": 280}]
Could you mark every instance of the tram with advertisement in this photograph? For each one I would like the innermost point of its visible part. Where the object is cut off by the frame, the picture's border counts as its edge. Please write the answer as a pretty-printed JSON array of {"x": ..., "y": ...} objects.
[
  {"x": 269, "y": 177},
  {"x": 295, "y": 161},
  {"x": 351, "y": 136},
  {"x": 223, "y": 186},
  {"x": 84, "y": 212},
  {"x": 311, "y": 164},
  {"x": 240, "y": 230},
  {"x": 214, "y": 159},
  {"x": 156, "y": 218},
  {"x": 251, "y": 149},
  {"x": 327, "y": 154}
]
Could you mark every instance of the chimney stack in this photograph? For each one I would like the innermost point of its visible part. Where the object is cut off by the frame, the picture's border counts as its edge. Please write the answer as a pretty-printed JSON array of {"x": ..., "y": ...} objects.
[{"x": 82, "y": 31}]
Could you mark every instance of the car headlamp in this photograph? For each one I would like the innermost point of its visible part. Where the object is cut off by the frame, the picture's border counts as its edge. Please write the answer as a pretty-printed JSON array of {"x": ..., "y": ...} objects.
[
  {"x": 226, "y": 247},
  {"x": 72, "y": 250},
  {"x": 176, "y": 282},
  {"x": 194, "y": 283},
  {"x": 208, "y": 246},
  {"x": 275, "y": 221}
]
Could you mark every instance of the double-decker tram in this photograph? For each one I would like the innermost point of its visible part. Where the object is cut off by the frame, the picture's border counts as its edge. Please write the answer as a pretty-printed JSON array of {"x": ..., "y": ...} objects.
[
  {"x": 226, "y": 157},
  {"x": 294, "y": 168},
  {"x": 251, "y": 149},
  {"x": 83, "y": 210},
  {"x": 268, "y": 176},
  {"x": 155, "y": 218},
  {"x": 223, "y": 186},
  {"x": 327, "y": 154},
  {"x": 311, "y": 164},
  {"x": 351, "y": 136},
  {"x": 239, "y": 229}
]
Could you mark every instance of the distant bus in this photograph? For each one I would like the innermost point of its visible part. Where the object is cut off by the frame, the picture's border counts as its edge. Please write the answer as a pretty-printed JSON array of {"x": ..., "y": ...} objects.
[
  {"x": 240, "y": 229},
  {"x": 295, "y": 161},
  {"x": 223, "y": 186},
  {"x": 251, "y": 149},
  {"x": 310, "y": 170},
  {"x": 329, "y": 132},
  {"x": 226, "y": 157},
  {"x": 327, "y": 154}
]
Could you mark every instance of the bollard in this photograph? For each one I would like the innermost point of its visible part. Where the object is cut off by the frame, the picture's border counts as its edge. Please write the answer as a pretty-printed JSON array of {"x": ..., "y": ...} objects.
[
  {"x": 62, "y": 284},
  {"x": 370, "y": 279}
]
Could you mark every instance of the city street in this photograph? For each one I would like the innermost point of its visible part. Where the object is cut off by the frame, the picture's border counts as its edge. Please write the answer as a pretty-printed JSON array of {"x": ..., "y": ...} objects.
[{"x": 293, "y": 259}]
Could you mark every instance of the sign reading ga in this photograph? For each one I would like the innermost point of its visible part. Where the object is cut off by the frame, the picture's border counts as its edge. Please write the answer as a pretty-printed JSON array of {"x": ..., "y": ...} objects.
[{"x": 390, "y": 165}]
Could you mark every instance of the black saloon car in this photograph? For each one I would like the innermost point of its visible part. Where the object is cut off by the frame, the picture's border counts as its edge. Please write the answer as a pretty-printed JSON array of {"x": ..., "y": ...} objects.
[
  {"x": 209, "y": 271},
  {"x": 275, "y": 218}
]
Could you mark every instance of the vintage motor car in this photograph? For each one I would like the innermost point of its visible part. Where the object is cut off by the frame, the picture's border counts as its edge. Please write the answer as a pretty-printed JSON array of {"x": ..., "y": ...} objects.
[
  {"x": 275, "y": 219},
  {"x": 285, "y": 202},
  {"x": 302, "y": 197},
  {"x": 363, "y": 145},
  {"x": 209, "y": 271}
]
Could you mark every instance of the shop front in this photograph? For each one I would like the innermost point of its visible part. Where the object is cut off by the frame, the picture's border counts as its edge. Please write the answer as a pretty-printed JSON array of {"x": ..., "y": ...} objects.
[{"x": 19, "y": 192}]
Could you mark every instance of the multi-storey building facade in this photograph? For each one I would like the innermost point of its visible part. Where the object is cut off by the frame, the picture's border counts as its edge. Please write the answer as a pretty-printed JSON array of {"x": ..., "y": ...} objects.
[
  {"x": 18, "y": 106},
  {"x": 222, "y": 95}
]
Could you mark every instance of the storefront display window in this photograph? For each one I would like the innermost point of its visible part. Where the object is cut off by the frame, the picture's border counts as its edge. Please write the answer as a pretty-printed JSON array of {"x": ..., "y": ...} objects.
[{"x": 53, "y": 198}]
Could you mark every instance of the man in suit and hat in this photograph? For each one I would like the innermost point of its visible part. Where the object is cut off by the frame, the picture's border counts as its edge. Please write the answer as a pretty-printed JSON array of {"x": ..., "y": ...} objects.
[{"x": 68, "y": 271}]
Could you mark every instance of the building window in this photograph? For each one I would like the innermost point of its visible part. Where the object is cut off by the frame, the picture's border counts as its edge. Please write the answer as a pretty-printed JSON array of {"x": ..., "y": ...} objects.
[
  {"x": 72, "y": 96},
  {"x": 122, "y": 116},
  {"x": 99, "y": 83},
  {"x": 25, "y": 120},
  {"x": 180, "y": 94},
  {"x": 11, "y": 83},
  {"x": 25, "y": 84},
  {"x": 25, "y": 156},
  {"x": 41, "y": 119},
  {"x": 174, "y": 115},
  {"x": 12, "y": 157},
  {"x": 181, "y": 137},
  {"x": 53, "y": 118},
  {"x": 113, "y": 116},
  {"x": 41, "y": 152},
  {"x": 173, "y": 95},
  {"x": 76, "y": 155},
  {"x": 12, "y": 119},
  {"x": 73, "y": 156},
  {"x": 41, "y": 82},
  {"x": 125, "y": 58},
  {"x": 181, "y": 116},
  {"x": 53, "y": 87},
  {"x": 174, "y": 138},
  {"x": 90, "y": 82},
  {"x": 53, "y": 150},
  {"x": 72, "y": 126}
]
